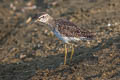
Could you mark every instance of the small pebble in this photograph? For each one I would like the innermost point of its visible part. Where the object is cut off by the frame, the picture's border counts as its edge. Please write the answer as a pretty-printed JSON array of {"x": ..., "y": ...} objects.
[
  {"x": 28, "y": 20},
  {"x": 109, "y": 24},
  {"x": 22, "y": 56}
]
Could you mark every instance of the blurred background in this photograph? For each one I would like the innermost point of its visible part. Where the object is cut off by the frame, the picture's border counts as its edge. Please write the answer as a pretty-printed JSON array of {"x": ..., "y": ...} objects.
[{"x": 30, "y": 51}]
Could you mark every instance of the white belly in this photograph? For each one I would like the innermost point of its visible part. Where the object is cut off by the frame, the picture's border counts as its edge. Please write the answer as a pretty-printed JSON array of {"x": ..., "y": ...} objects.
[
  {"x": 58, "y": 35},
  {"x": 67, "y": 39}
]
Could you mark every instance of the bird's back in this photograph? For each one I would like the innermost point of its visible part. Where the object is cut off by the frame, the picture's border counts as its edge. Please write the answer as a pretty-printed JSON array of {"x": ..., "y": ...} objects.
[{"x": 68, "y": 29}]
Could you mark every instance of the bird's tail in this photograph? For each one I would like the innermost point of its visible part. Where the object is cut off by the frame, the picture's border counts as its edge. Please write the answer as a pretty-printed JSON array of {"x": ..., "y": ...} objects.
[{"x": 90, "y": 35}]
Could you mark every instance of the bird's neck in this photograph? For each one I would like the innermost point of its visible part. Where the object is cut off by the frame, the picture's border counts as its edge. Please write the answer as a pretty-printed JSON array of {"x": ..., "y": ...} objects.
[{"x": 51, "y": 23}]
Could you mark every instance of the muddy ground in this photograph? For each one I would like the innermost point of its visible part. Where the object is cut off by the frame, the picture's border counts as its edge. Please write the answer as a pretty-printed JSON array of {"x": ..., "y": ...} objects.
[{"x": 31, "y": 51}]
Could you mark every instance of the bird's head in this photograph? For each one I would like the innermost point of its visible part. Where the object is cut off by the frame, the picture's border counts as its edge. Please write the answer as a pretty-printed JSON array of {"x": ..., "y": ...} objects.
[{"x": 44, "y": 18}]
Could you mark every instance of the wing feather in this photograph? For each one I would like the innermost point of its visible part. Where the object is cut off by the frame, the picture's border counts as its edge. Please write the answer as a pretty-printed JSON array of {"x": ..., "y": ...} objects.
[{"x": 67, "y": 28}]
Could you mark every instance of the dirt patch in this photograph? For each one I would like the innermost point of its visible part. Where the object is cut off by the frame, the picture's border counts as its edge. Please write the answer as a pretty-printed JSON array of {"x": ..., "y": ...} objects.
[{"x": 32, "y": 52}]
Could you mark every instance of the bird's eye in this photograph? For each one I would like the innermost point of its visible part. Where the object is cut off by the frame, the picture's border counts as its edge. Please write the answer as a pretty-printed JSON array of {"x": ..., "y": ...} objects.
[{"x": 43, "y": 16}]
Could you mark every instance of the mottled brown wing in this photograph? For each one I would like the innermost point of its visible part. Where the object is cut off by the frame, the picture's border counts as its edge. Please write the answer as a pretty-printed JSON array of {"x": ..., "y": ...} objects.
[{"x": 69, "y": 29}]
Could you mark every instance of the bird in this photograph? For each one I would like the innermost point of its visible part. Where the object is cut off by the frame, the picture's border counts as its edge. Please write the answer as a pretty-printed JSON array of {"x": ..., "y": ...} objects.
[{"x": 66, "y": 31}]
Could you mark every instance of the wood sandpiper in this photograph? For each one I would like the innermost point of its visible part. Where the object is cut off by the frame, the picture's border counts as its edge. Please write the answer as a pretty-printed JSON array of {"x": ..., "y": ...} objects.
[{"x": 65, "y": 30}]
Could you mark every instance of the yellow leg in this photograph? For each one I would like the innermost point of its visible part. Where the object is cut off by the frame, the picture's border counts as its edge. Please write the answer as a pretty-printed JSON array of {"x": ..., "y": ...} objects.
[
  {"x": 65, "y": 58},
  {"x": 72, "y": 53}
]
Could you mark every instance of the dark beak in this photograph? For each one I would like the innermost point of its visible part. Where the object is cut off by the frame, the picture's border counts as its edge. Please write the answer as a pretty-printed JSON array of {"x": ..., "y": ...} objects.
[{"x": 36, "y": 20}]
